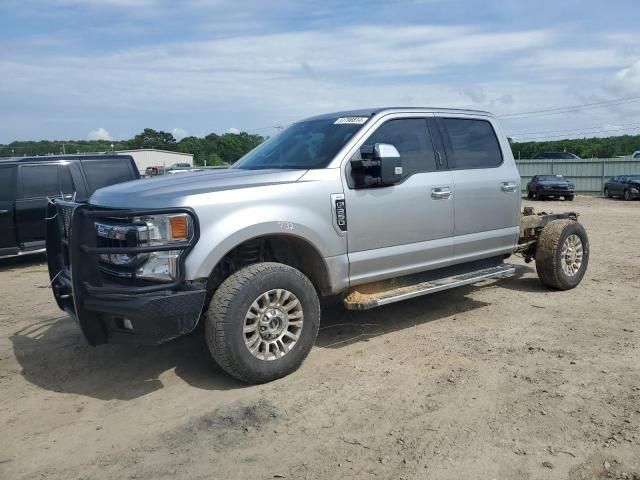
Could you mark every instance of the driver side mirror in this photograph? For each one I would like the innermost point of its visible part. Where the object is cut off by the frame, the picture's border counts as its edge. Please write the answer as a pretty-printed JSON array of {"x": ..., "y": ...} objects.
[{"x": 379, "y": 165}]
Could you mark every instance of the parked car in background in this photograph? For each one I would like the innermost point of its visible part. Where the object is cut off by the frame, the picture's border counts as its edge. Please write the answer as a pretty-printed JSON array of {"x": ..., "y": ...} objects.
[
  {"x": 556, "y": 156},
  {"x": 625, "y": 186},
  {"x": 153, "y": 171},
  {"x": 636, "y": 155},
  {"x": 544, "y": 186},
  {"x": 180, "y": 166},
  {"x": 27, "y": 184}
]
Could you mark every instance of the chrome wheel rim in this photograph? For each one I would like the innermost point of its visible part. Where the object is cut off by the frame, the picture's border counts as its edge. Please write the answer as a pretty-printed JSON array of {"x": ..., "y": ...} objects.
[
  {"x": 273, "y": 324},
  {"x": 572, "y": 255}
]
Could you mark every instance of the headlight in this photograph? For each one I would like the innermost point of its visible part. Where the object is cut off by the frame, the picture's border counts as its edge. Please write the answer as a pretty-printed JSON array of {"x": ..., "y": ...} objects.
[
  {"x": 164, "y": 229},
  {"x": 147, "y": 231}
]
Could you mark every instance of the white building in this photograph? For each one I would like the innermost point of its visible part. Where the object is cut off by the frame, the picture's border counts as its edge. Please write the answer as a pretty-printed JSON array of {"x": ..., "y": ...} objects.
[{"x": 152, "y": 157}]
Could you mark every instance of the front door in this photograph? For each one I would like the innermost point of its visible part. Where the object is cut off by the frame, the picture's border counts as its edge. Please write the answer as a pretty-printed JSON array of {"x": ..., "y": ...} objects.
[
  {"x": 487, "y": 189},
  {"x": 403, "y": 228},
  {"x": 8, "y": 244}
]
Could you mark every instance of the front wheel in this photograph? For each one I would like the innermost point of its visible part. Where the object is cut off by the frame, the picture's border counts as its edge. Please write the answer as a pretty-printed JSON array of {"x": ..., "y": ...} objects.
[
  {"x": 569, "y": 198},
  {"x": 562, "y": 254},
  {"x": 627, "y": 195},
  {"x": 606, "y": 193},
  {"x": 262, "y": 322},
  {"x": 530, "y": 194}
]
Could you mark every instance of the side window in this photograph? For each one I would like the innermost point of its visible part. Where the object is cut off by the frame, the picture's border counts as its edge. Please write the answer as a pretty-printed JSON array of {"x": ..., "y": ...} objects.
[
  {"x": 473, "y": 143},
  {"x": 39, "y": 181},
  {"x": 7, "y": 183},
  {"x": 411, "y": 138},
  {"x": 102, "y": 173},
  {"x": 66, "y": 182}
]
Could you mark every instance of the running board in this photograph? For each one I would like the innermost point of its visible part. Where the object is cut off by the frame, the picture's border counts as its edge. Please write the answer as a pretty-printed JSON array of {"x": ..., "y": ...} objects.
[{"x": 371, "y": 295}]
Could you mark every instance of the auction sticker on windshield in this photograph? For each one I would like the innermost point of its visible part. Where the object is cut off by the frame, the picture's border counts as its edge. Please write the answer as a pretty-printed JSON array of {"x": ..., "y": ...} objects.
[{"x": 356, "y": 120}]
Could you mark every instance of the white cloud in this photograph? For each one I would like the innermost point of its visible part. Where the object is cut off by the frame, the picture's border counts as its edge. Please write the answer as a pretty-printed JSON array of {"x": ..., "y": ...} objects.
[
  {"x": 99, "y": 134},
  {"x": 234, "y": 131},
  {"x": 179, "y": 133},
  {"x": 627, "y": 80}
]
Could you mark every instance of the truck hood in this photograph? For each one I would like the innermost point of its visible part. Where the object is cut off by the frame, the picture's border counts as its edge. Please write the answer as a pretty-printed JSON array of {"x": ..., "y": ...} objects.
[{"x": 170, "y": 191}]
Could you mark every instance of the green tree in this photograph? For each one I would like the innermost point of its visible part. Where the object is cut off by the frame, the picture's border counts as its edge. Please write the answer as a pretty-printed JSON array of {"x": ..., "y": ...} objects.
[{"x": 150, "y": 138}]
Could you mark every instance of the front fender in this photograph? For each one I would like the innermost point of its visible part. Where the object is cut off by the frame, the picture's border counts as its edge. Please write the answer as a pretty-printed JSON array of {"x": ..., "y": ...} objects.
[{"x": 221, "y": 235}]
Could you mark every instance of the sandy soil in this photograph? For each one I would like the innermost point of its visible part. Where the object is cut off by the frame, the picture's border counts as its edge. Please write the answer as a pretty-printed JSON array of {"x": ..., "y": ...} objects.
[{"x": 507, "y": 380}]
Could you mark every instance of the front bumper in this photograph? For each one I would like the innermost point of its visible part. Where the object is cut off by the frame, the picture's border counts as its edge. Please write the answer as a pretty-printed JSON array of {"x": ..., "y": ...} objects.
[
  {"x": 112, "y": 310},
  {"x": 557, "y": 192}
]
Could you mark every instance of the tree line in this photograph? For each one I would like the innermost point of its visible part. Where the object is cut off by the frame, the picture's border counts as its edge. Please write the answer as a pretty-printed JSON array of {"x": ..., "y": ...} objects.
[
  {"x": 596, "y": 147},
  {"x": 214, "y": 149}
]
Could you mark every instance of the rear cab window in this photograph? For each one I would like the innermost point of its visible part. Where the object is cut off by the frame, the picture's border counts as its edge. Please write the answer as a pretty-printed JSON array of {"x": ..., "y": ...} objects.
[{"x": 471, "y": 143}]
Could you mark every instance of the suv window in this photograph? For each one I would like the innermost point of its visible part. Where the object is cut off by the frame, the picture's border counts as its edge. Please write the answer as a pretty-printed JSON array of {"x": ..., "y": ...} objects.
[
  {"x": 7, "y": 182},
  {"x": 102, "y": 173},
  {"x": 473, "y": 143},
  {"x": 411, "y": 138},
  {"x": 39, "y": 181}
]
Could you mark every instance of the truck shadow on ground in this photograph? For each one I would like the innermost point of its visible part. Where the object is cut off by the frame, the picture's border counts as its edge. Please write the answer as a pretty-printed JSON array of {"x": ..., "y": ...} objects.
[
  {"x": 54, "y": 355},
  {"x": 22, "y": 261}
]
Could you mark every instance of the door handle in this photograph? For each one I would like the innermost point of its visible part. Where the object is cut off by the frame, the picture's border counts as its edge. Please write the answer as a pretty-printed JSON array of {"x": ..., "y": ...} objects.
[
  {"x": 440, "y": 193},
  {"x": 509, "y": 187}
]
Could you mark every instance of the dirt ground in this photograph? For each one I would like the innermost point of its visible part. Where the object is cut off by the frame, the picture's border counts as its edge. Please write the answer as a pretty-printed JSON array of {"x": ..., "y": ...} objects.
[{"x": 508, "y": 381}]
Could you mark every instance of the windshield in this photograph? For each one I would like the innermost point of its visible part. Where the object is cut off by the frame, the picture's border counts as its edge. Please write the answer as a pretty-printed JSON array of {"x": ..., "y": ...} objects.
[
  {"x": 307, "y": 145},
  {"x": 551, "y": 178}
]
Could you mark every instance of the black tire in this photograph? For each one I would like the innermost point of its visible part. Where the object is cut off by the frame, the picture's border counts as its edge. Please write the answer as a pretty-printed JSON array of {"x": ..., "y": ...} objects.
[
  {"x": 226, "y": 315},
  {"x": 530, "y": 194},
  {"x": 627, "y": 195},
  {"x": 569, "y": 198},
  {"x": 549, "y": 254}
]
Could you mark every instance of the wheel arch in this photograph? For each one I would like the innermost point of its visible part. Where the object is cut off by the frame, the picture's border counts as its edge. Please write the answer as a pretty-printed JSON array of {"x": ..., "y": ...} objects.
[{"x": 277, "y": 246}]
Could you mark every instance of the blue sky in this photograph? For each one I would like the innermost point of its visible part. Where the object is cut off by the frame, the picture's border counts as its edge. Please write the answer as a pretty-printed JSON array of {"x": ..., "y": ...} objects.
[{"x": 77, "y": 69}]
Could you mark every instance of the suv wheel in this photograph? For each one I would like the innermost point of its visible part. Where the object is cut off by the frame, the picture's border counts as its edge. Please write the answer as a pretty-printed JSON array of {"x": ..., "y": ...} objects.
[
  {"x": 606, "y": 193},
  {"x": 569, "y": 198},
  {"x": 530, "y": 194},
  {"x": 262, "y": 322},
  {"x": 627, "y": 195},
  {"x": 562, "y": 254}
]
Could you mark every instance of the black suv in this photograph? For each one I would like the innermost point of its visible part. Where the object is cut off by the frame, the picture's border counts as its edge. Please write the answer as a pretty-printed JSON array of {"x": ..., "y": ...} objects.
[
  {"x": 26, "y": 184},
  {"x": 543, "y": 186}
]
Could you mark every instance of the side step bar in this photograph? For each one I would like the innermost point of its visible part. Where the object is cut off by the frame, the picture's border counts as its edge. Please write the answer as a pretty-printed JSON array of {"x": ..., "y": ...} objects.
[{"x": 371, "y": 295}]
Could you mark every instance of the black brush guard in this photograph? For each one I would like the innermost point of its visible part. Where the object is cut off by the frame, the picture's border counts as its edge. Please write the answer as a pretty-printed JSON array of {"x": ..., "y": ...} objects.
[{"x": 157, "y": 311}]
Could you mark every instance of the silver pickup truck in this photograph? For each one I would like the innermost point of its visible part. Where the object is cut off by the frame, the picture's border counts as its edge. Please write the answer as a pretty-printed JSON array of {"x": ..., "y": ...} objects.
[{"x": 376, "y": 205}]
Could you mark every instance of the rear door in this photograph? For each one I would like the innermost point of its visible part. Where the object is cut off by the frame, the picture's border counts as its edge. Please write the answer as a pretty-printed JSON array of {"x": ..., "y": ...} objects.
[
  {"x": 36, "y": 183},
  {"x": 407, "y": 227},
  {"x": 486, "y": 188},
  {"x": 8, "y": 244}
]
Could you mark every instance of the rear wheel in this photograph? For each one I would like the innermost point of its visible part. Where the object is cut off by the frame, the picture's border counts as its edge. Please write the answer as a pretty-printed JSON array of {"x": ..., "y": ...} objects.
[
  {"x": 530, "y": 194},
  {"x": 562, "y": 254},
  {"x": 262, "y": 322},
  {"x": 606, "y": 193}
]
